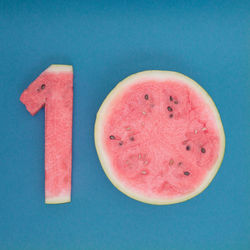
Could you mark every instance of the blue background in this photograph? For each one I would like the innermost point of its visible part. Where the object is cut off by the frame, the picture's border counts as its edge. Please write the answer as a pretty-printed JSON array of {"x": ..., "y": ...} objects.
[{"x": 105, "y": 42}]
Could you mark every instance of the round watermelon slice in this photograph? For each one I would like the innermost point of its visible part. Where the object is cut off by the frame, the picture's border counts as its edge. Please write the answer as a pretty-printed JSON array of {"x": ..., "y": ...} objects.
[{"x": 159, "y": 137}]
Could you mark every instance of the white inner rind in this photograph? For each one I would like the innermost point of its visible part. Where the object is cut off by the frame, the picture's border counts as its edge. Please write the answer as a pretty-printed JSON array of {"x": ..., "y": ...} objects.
[
  {"x": 101, "y": 118},
  {"x": 58, "y": 199},
  {"x": 59, "y": 68}
]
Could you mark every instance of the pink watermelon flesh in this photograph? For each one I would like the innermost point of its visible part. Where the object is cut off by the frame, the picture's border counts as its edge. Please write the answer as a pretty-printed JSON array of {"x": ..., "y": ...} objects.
[
  {"x": 161, "y": 138},
  {"x": 54, "y": 90}
]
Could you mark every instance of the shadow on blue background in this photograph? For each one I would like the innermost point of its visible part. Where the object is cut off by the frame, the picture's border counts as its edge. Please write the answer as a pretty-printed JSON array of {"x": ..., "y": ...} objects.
[{"x": 107, "y": 41}]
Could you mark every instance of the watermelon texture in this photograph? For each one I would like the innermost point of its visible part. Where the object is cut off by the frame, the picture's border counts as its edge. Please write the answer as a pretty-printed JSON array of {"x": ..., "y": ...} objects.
[
  {"x": 159, "y": 137},
  {"x": 53, "y": 89}
]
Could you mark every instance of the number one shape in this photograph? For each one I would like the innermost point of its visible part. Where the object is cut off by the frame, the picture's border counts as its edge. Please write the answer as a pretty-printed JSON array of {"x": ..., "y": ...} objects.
[{"x": 54, "y": 90}]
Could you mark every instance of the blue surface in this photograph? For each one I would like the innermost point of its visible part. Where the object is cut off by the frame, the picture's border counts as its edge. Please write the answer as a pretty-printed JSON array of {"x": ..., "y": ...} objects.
[{"x": 105, "y": 42}]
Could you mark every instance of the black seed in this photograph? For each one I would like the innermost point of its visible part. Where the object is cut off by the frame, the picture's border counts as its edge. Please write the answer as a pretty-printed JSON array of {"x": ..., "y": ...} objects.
[
  {"x": 43, "y": 86},
  {"x": 120, "y": 143},
  {"x": 170, "y": 109},
  {"x": 186, "y": 173},
  {"x": 171, "y": 98},
  {"x": 171, "y": 116},
  {"x": 203, "y": 150},
  {"x": 112, "y": 137},
  {"x": 187, "y": 147},
  {"x": 175, "y": 102},
  {"x": 146, "y": 97},
  {"x": 132, "y": 138}
]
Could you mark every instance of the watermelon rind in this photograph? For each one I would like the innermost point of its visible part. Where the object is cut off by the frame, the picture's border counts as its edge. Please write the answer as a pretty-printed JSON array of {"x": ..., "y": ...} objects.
[
  {"x": 59, "y": 68},
  {"x": 58, "y": 199}
]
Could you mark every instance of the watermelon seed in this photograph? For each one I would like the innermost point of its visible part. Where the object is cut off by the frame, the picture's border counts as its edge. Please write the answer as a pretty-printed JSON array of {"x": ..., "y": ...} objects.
[
  {"x": 128, "y": 128},
  {"x": 143, "y": 112},
  {"x": 171, "y": 98},
  {"x": 204, "y": 129},
  {"x": 170, "y": 109},
  {"x": 38, "y": 90},
  {"x": 112, "y": 137},
  {"x": 144, "y": 172},
  {"x": 175, "y": 102},
  {"x": 187, "y": 147},
  {"x": 171, "y": 162},
  {"x": 120, "y": 143},
  {"x": 195, "y": 131},
  {"x": 132, "y": 138},
  {"x": 43, "y": 86},
  {"x": 203, "y": 150},
  {"x": 146, "y": 97},
  {"x": 139, "y": 156},
  {"x": 179, "y": 163},
  {"x": 145, "y": 162},
  {"x": 171, "y": 116},
  {"x": 186, "y": 173}
]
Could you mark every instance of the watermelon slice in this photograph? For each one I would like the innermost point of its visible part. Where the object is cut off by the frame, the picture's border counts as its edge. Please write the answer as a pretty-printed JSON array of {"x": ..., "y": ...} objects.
[
  {"x": 159, "y": 137},
  {"x": 54, "y": 90}
]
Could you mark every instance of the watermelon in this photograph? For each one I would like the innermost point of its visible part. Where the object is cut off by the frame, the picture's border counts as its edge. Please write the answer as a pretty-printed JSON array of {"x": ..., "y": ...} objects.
[
  {"x": 159, "y": 137},
  {"x": 54, "y": 90}
]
